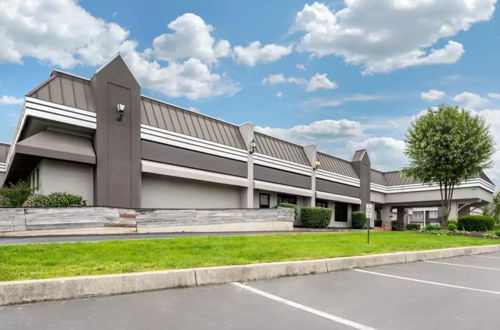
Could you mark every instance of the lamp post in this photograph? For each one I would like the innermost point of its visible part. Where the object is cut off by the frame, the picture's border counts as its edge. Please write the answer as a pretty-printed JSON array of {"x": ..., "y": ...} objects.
[{"x": 253, "y": 146}]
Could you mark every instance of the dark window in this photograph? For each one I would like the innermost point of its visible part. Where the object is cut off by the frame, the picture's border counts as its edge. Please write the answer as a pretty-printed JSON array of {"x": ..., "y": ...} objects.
[
  {"x": 321, "y": 203},
  {"x": 284, "y": 198},
  {"x": 340, "y": 212},
  {"x": 264, "y": 201}
]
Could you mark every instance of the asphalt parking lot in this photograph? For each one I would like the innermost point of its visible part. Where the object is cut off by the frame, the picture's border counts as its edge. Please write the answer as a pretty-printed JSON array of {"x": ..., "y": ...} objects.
[{"x": 455, "y": 293}]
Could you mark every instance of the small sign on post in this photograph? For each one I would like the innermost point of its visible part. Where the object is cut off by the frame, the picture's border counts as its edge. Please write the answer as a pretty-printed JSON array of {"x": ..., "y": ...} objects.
[{"x": 369, "y": 216}]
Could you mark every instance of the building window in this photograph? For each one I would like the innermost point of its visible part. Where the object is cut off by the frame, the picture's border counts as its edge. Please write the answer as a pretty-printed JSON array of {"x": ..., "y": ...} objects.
[
  {"x": 264, "y": 201},
  {"x": 340, "y": 212},
  {"x": 433, "y": 215},
  {"x": 285, "y": 198},
  {"x": 321, "y": 203}
]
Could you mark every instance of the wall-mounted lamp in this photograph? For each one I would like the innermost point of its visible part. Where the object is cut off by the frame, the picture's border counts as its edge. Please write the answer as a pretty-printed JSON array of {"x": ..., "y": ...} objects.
[
  {"x": 317, "y": 163},
  {"x": 121, "y": 110},
  {"x": 253, "y": 145}
]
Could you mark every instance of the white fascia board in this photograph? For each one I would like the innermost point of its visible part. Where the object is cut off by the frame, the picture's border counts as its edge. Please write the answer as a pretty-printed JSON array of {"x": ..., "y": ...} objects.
[
  {"x": 335, "y": 177},
  {"x": 188, "y": 142},
  {"x": 46, "y": 104},
  {"x": 193, "y": 174},
  {"x": 430, "y": 187},
  {"x": 263, "y": 185},
  {"x": 264, "y": 160},
  {"x": 337, "y": 198}
]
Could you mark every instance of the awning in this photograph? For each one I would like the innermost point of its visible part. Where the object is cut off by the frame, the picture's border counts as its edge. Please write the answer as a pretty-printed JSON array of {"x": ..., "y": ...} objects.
[{"x": 58, "y": 145}]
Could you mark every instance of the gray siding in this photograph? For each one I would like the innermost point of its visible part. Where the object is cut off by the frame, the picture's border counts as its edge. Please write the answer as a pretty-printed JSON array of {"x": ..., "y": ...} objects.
[
  {"x": 336, "y": 165},
  {"x": 183, "y": 157},
  {"x": 175, "y": 119},
  {"x": 277, "y": 148},
  {"x": 4, "y": 150},
  {"x": 337, "y": 188},
  {"x": 377, "y": 177},
  {"x": 268, "y": 174}
]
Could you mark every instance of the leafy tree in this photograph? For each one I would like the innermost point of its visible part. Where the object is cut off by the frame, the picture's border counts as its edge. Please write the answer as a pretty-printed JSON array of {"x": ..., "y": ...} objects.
[
  {"x": 493, "y": 209},
  {"x": 448, "y": 145}
]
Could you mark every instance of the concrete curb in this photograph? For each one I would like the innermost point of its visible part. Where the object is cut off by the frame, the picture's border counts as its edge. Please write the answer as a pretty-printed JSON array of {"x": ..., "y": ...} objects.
[{"x": 16, "y": 292}]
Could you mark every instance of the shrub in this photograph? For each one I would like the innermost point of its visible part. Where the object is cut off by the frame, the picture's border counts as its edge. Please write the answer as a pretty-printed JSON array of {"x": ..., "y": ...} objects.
[
  {"x": 378, "y": 223},
  {"x": 432, "y": 228},
  {"x": 497, "y": 233},
  {"x": 452, "y": 225},
  {"x": 395, "y": 225},
  {"x": 56, "y": 199},
  {"x": 476, "y": 223},
  {"x": 15, "y": 194},
  {"x": 292, "y": 206},
  {"x": 413, "y": 226},
  {"x": 315, "y": 217},
  {"x": 358, "y": 219}
]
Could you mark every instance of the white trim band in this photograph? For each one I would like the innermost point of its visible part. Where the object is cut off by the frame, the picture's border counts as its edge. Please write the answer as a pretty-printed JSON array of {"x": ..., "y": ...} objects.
[
  {"x": 330, "y": 176},
  {"x": 263, "y": 185},
  {"x": 337, "y": 198},
  {"x": 193, "y": 174},
  {"x": 280, "y": 164}
]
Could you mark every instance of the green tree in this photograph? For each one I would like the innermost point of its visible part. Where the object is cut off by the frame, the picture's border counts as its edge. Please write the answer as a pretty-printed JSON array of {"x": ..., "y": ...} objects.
[
  {"x": 493, "y": 209},
  {"x": 448, "y": 145}
]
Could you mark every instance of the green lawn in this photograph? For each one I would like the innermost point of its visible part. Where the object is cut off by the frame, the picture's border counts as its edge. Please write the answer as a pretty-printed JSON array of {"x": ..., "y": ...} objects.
[{"x": 35, "y": 261}]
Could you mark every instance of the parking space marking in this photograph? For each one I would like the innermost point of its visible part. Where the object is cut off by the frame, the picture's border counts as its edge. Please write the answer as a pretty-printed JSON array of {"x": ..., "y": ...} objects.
[
  {"x": 428, "y": 282},
  {"x": 304, "y": 308},
  {"x": 462, "y": 265},
  {"x": 489, "y": 257}
]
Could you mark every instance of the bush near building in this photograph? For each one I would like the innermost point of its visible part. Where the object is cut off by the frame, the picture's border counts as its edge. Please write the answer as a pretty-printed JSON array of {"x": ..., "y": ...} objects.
[
  {"x": 413, "y": 226},
  {"x": 15, "y": 195},
  {"x": 292, "y": 206},
  {"x": 315, "y": 217},
  {"x": 395, "y": 225},
  {"x": 432, "y": 228},
  {"x": 358, "y": 220},
  {"x": 452, "y": 225},
  {"x": 476, "y": 223},
  {"x": 56, "y": 199},
  {"x": 378, "y": 223}
]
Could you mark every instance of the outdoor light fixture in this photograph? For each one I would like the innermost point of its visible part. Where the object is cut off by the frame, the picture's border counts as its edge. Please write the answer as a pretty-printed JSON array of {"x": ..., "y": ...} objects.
[
  {"x": 317, "y": 163},
  {"x": 253, "y": 145},
  {"x": 121, "y": 110}
]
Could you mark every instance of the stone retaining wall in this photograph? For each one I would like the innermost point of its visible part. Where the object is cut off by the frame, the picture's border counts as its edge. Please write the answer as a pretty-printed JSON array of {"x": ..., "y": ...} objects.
[{"x": 103, "y": 220}]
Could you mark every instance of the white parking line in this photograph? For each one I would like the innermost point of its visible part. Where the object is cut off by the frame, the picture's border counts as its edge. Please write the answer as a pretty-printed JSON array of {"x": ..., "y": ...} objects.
[
  {"x": 428, "y": 282},
  {"x": 461, "y": 265},
  {"x": 304, "y": 308}
]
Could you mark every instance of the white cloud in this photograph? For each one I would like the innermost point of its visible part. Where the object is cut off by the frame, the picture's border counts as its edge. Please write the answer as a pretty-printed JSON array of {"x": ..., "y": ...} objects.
[
  {"x": 279, "y": 94},
  {"x": 318, "y": 81},
  {"x": 301, "y": 67},
  {"x": 432, "y": 95},
  {"x": 57, "y": 32},
  {"x": 386, "y": 35},
  {"x": 321, "y": 102},
  {"x": 470, "y": 100},
  {"x": 255, "y": 53},
  {"x": 492, "y": 117},
  {"x": 191, "y": 38},
  {"x": 7, "y": 99},
  {"x": 386, "y": 153},
  {"x": 61, "y": 33},
  {"x": 495, "y": 96},
  {"x": 321, "y": 131}
]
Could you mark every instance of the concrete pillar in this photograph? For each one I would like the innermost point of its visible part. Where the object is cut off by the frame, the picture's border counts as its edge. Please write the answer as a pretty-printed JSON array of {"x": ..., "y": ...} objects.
[
  {"x": 311, "y": 155},
  {"x": 362, "y": 167},
  {"x": 247, "y": 133},
  {"x": 386, "y": 212},
  {"x": 401, "y": 217},
  {"x": 453, "y": 211}
]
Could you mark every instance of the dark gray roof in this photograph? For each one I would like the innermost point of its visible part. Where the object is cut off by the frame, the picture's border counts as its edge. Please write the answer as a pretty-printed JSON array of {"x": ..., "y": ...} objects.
[
  {"x": 66, "y": 89},
  {"x": 396, "y": 178},
  {"x": 175, "y": 119},
  {"x": 336, "y": 165},
  {"x": 274, "y": 147},
  {"x": 4, "y": 150},
  {"x": 377, "y": 177}
]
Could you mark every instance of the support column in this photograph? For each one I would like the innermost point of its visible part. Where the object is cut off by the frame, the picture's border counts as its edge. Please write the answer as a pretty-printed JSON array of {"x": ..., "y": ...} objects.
[
  {"x": 386, "y": 217},
  {"x": 362, "y": 166},
  {"x": 453, "y": 211},
  {"x": 313, "y": 187},
  {"x": 311, "y": 154},
  {"x": 401, "y": 218},
  {"x": 247, "y": 133}
]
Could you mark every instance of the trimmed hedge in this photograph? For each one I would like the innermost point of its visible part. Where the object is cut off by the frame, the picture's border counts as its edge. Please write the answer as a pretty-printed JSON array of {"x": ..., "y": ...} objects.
[
  {"x": 358, "y": 219},
  {"x": 378, "y": 223},
  {"x": 315, "y": 217},
  {"x": 432, "y": 228},
  {"x": 56, "y": 199},
  {"x": 292, "y": 206},
  {"x": 413, "y": 226},
  {"x": 476, "y": 223},
  {"x": 452, "y": 225},
  {"x": 396, "y": 226}
]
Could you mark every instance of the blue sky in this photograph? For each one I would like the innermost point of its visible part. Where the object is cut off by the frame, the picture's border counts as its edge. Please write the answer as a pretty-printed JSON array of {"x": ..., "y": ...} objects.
[{"x": 341, "y": 75}]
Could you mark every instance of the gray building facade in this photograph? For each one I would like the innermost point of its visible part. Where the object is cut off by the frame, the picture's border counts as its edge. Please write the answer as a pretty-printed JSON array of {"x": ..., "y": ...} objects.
[{"x": 101, "y": 139}]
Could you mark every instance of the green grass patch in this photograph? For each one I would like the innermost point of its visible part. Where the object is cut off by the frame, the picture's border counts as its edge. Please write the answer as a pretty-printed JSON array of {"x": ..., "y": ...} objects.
[{"x": 36, "y": 261}]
